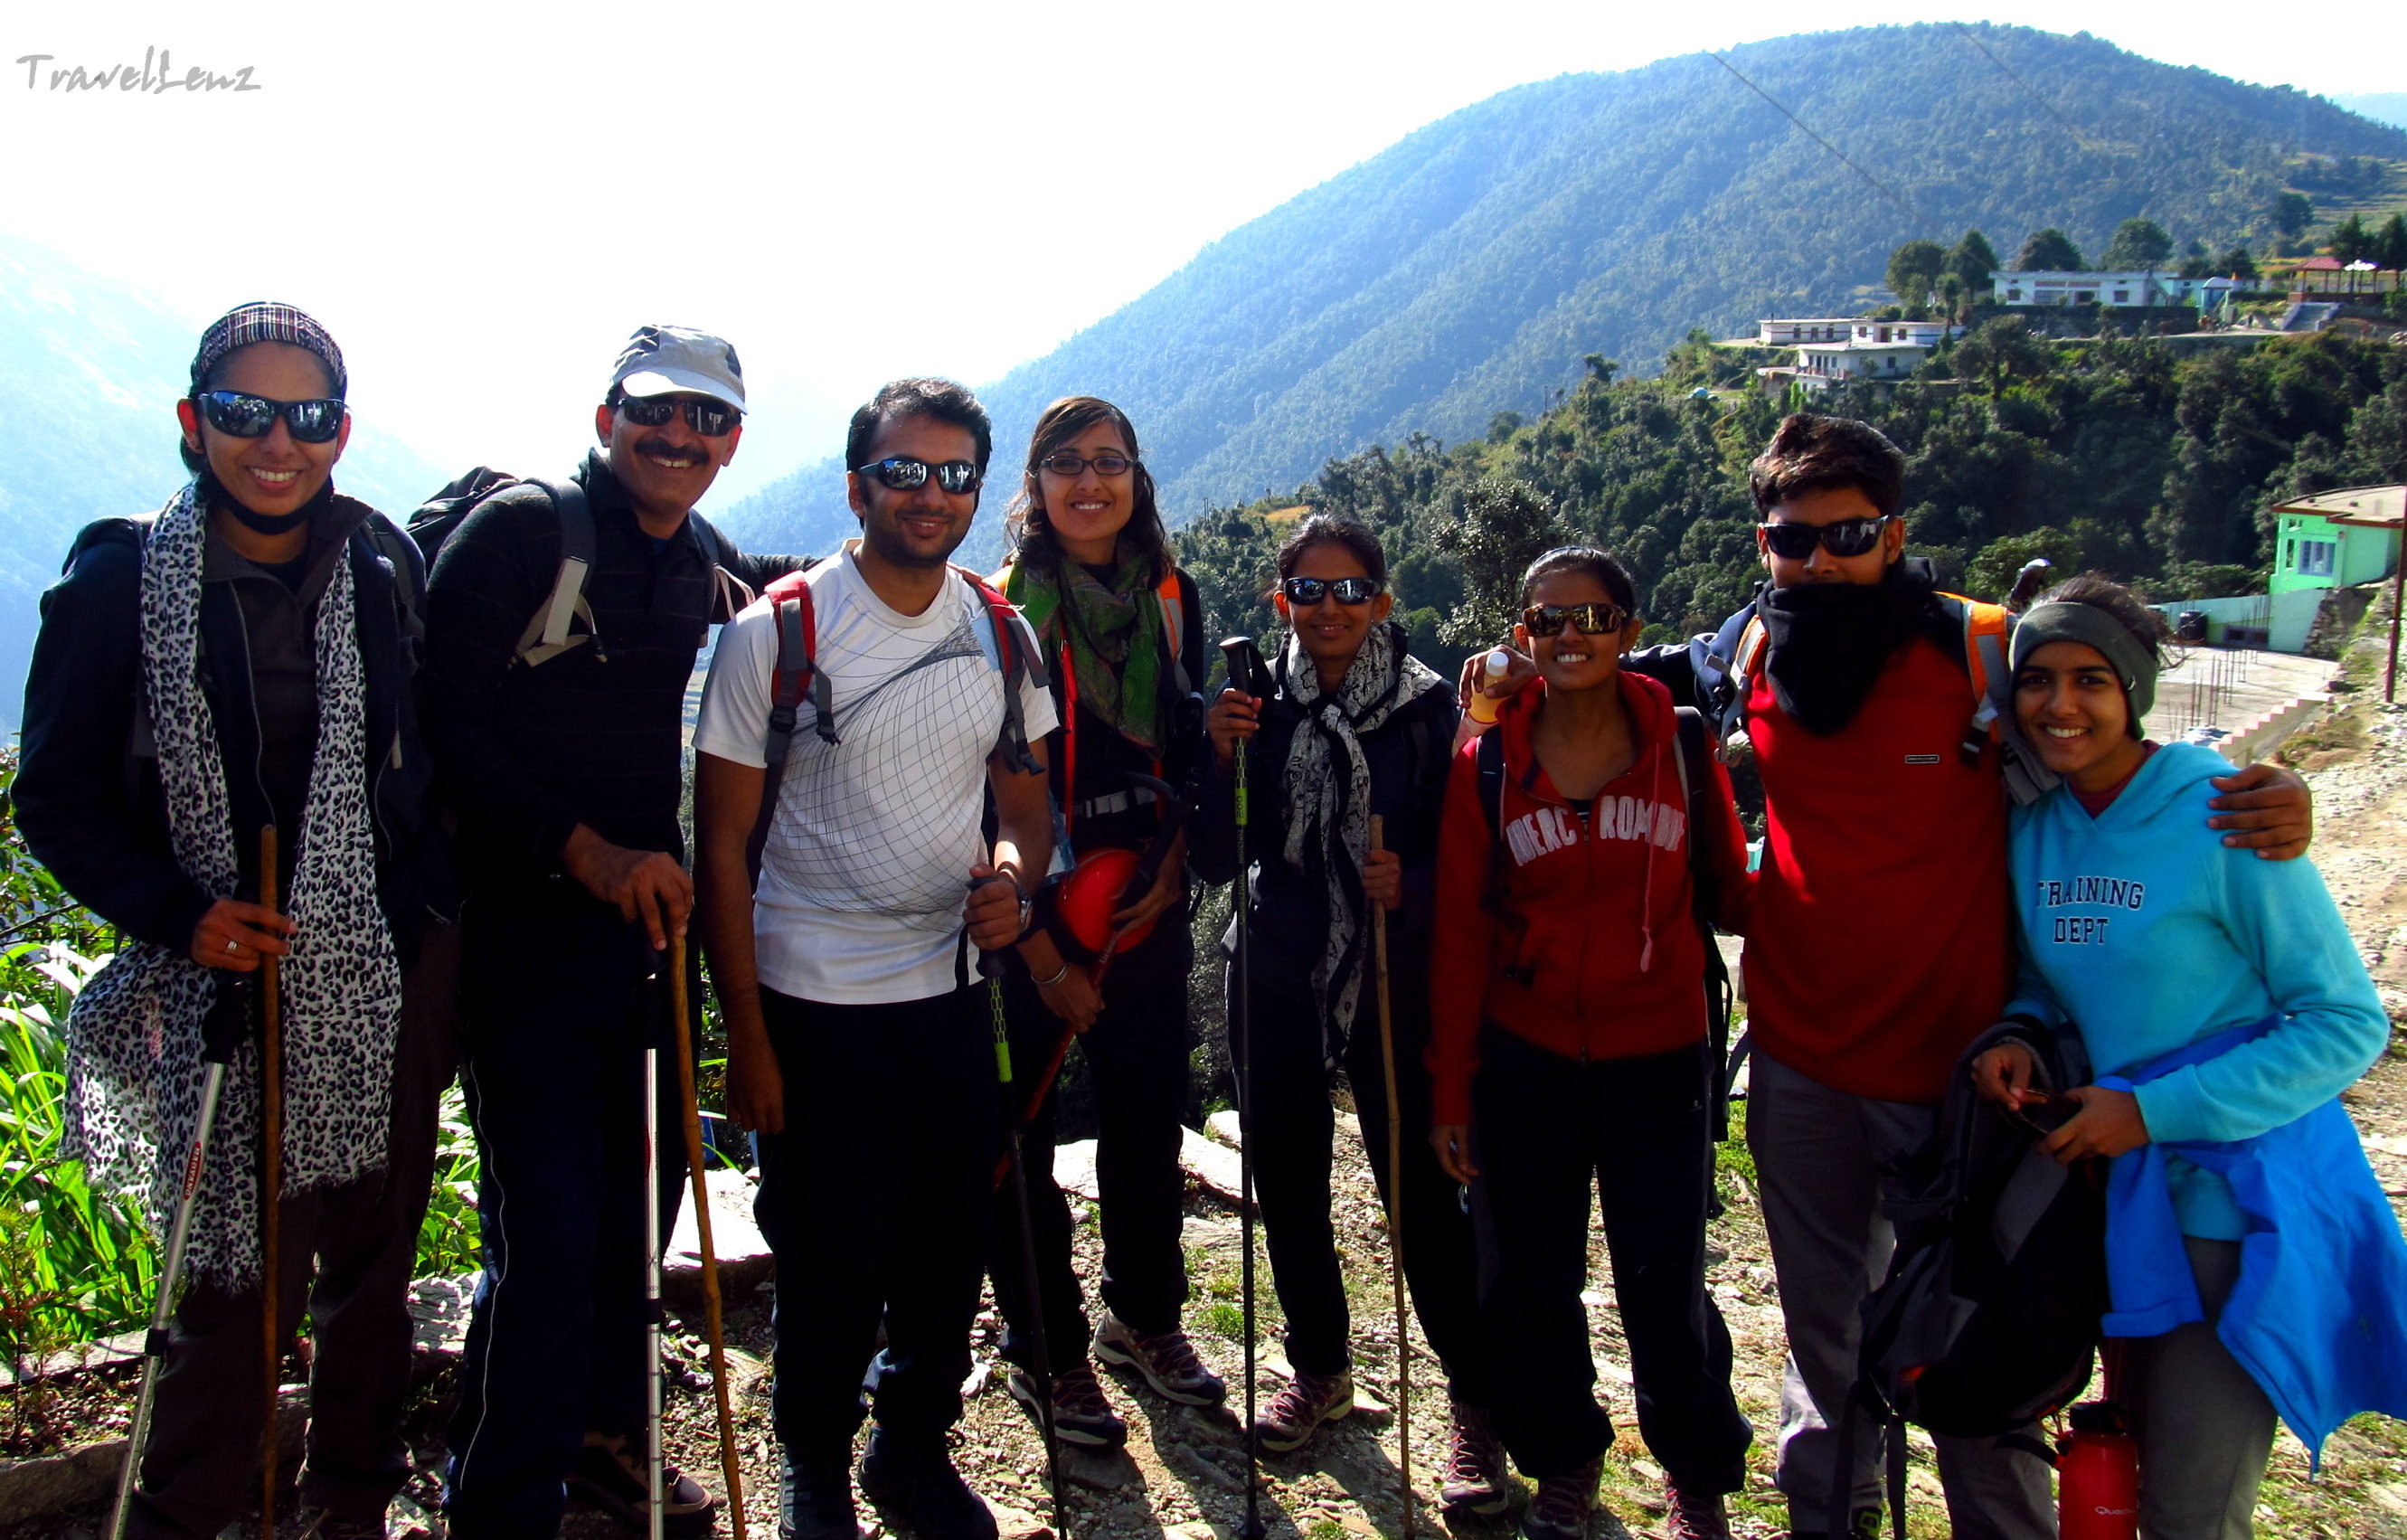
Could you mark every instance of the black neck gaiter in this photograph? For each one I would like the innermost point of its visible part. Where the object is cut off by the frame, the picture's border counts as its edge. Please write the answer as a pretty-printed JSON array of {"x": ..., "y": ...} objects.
[
  {"x": 1828, "y": 642},
  {"x": 283, "y": 523}
]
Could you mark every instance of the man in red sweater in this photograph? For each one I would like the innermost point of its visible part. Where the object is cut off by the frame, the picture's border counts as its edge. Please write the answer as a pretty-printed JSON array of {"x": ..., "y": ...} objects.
[{"x": 1881, "y": 940}]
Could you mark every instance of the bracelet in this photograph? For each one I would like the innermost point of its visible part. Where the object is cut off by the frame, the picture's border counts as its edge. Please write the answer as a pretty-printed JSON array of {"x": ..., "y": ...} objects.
[{"x": 1048, "y": 983}]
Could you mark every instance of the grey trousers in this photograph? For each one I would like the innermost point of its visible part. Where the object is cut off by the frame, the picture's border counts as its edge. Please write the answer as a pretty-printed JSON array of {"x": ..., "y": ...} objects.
[
  {"x": 1823, "y": 1159},
  {"x": 2204, "y": 1425}
]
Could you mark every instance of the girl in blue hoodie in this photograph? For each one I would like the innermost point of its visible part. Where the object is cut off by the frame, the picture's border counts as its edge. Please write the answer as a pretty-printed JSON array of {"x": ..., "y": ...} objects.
[{"x": 2255, "y": 1265}]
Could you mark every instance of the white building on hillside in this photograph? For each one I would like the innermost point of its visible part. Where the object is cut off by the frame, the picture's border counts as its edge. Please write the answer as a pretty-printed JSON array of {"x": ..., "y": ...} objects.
[
  {"x": 1821, "y": 365},
  {"x": 2112, "y": 291},
  {"x": 1789, "y": 334}
]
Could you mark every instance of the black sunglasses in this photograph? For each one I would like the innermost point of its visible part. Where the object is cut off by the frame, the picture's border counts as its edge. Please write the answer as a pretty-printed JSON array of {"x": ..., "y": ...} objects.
[
  {"x": 1062, "y": 463},
  {"x": 1847, "y": 537},
  {"x": 1593, "y": 619},
  {"x": 903, "y": 473},
  {"x": 1347, "y": 590},
  {"x": 710, "y": 418},
  {"x": 254, "y": 416}
]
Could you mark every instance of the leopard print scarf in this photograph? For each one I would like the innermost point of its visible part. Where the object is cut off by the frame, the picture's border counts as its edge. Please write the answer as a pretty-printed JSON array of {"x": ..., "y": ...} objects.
[{"x": 134, "y": 1036}]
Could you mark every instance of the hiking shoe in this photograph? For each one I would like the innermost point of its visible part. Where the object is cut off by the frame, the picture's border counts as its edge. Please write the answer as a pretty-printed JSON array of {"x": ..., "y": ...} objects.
[
  {"x": 913, "y": 1482},
  {"x": 323, "y": 1525},
  {"x": 1697, "y": 1517},
  {"x": 1166, "y": 1360},
  {"x": 1302, "y": 1404},
  {"x": 1081, "y": 1416},
  {"x": 610, "y": 1476},
  {"x": 1475, "y": 1479},
  {"x": 1563, "y": 1506},
  {"x": 815, "y": 1498}
]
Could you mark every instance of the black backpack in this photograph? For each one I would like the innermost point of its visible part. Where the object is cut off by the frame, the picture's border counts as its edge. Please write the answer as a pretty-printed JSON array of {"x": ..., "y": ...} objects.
[
  {"x": 549, "y": 632},
  {"x": 1989, "y": 1315}
]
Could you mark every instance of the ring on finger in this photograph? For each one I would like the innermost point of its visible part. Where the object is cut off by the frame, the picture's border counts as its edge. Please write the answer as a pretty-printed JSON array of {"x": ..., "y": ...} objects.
[{"x": 234, "y": 946}]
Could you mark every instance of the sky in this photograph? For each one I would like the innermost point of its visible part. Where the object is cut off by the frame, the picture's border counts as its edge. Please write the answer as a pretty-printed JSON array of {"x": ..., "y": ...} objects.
[{"x": 481, "y": 201}]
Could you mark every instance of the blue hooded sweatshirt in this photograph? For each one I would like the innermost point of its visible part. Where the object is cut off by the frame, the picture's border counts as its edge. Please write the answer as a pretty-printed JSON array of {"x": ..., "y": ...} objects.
[{"x": 2225, "y": 992}]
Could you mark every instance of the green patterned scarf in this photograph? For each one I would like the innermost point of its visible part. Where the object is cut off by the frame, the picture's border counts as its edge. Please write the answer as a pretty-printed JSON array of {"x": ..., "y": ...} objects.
[{"x": 1114, "y": 634}]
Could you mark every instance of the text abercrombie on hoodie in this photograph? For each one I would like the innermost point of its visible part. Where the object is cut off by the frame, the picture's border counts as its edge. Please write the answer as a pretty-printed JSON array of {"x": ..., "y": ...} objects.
[{"x": 1596, "y": 954}]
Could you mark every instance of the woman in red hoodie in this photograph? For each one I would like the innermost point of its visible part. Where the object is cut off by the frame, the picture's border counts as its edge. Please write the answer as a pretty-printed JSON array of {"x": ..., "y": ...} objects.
[{"x": 1570, "y": 1050}]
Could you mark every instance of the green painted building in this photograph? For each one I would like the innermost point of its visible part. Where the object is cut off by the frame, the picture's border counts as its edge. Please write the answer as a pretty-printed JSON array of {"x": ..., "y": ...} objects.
[{"x": 2336, "y": 539}]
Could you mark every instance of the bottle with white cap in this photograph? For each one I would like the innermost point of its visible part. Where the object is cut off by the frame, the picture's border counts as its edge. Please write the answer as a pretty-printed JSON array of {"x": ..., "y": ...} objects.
[{"x": 1485, "y": 706}]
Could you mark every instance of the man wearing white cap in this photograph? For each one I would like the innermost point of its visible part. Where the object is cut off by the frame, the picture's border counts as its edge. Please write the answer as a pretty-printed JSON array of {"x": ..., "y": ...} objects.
[{"x": 564, "y": 759}]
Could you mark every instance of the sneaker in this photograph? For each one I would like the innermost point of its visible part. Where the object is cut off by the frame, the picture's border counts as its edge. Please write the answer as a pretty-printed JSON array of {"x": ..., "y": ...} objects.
[
  {"x": 320, "y": 1524},
  {"x": 1475, "y": 1479},
  {"x": 1081, "y": 1416},
  {"x": 1166, "y": 1360},
  {"x": 815, "y": 1498},
  {"x": 610, "y": 1476},
  {"x": 1302, "y": 1404},
  {"x": 1563, "y": 1506},
  {"x": 913, "y": 1482},
  {"x": 1697, "y": 1518}
]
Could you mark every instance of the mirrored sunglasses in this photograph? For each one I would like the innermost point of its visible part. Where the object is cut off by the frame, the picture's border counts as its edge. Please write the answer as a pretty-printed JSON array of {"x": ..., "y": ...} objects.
[
  {"x": 710, "y": 418},
  {"x": 1593, "y": 619},
  {"x": 902, "y": 473},
  {"x": 1347, "y": 590},
  {"x": 244, "y": 416},
  {"x": 1847, "y": 537}
]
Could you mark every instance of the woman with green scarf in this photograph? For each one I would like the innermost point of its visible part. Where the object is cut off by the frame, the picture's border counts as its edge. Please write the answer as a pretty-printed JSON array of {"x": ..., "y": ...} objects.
[{"x": 1121, "y": 630}]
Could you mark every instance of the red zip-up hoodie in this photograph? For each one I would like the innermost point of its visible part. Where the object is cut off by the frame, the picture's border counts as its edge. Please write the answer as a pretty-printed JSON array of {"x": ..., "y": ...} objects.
[{"x": 1596, "y": 953}]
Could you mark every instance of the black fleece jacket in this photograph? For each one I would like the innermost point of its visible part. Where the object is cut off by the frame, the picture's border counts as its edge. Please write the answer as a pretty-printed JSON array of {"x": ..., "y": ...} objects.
[
  {"x": 594, "y": 736},
  {"x": 88, "y": 795}
]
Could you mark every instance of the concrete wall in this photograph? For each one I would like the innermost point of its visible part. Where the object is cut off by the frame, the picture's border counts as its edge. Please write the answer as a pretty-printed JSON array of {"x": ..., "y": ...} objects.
[{"x": 2287, "y": 617}]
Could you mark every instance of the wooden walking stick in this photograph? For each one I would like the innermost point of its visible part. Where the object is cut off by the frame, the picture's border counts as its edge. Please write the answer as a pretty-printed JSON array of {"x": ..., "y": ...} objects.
[
  {"x": 1395, "y": 1203},
  {"x": 271, "y": 1096},
  {"x": 712, "y": 1312}
]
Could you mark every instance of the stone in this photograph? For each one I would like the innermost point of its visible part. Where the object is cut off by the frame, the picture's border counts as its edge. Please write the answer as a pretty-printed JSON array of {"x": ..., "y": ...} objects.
[
  {"x": 1214, "y": 1167},
  {"x": 744, "y": 1261},
  {"x": 1073, "y": 1168},
  {"x": 1018, "y": 1524},
  {"x": 1225, "y": 1126},
  {"x": 438, "y": 1321}
]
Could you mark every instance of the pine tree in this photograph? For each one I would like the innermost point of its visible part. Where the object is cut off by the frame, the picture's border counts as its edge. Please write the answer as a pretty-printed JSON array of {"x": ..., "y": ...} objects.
[{"x": 2049, "y": 251}]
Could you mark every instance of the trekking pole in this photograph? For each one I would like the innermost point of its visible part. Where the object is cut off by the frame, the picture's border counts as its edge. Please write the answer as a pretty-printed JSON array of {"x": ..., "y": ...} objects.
[
  {"x": 652, "y": 1455},
  {"x": 156, "y": 1342},
  {"x": 1395, "y": 1203},
  {"x": 990, "y": 965},
  {"x": 1244, "y": 664},
  {"x": 713, "y": 1310},
  {"x": 271, "y": 1089}
]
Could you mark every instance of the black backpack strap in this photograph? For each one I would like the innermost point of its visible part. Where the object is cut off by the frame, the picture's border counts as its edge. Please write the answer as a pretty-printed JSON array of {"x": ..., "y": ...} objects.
[
  {"x": 731, "y": 594},
  {"x": 1690, "y": 747},
  {"x": 391, "y": 542}
]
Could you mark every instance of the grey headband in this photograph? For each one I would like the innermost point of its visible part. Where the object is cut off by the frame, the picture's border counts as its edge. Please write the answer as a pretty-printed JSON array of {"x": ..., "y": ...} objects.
[{"x": 2134, "y": 662}]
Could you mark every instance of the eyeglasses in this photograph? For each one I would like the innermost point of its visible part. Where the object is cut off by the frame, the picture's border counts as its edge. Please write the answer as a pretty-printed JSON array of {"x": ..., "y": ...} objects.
[
  {"x": 1064, "y": 463},
  {"x": 254, "y": 416},
  {"x": 1593, "y": 619},
  {"x": 1347, "y": 591},
  {"x": 905, "y": 473},
  {"x": 1846, "y": 537},
  {"x": 710, "y": 418}
]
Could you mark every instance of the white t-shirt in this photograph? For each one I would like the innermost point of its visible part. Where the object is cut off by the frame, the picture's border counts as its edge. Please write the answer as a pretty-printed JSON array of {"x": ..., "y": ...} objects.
[{"x": 868, "y": 863}]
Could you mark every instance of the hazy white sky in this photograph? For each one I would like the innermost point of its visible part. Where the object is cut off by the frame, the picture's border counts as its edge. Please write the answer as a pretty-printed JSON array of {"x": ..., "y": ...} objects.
[{"x": 481, "y": 200}]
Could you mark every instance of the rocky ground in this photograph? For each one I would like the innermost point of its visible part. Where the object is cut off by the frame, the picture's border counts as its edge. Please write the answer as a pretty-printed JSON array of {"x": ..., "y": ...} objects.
[{"x": 1184, "y": 1472}]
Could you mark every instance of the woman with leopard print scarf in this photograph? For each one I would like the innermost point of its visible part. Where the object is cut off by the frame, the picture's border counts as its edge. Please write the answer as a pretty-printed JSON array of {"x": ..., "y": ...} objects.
[
  {"x": 1356, "y": 727},
  {"x": 240, "y": 659}
]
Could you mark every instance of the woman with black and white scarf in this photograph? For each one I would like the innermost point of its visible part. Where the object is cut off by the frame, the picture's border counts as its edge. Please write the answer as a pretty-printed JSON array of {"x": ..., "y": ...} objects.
[
  {"x": 1354, "y": 727},
  {"x": 243, "y": 658}
]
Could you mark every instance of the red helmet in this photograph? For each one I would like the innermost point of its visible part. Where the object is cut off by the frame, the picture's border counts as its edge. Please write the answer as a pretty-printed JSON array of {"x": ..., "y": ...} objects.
[{"x": 1090, "y": 895}]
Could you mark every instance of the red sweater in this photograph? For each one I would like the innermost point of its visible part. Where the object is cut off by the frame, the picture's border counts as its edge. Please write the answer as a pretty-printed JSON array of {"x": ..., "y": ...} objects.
[
  {"x": 1882, "y": 943},
  {"x": 1600, "y": 955}
]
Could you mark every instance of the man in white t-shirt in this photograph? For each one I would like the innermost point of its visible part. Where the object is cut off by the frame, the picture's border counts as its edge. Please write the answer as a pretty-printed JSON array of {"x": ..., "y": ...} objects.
[{"x": 860, "y": 1043}]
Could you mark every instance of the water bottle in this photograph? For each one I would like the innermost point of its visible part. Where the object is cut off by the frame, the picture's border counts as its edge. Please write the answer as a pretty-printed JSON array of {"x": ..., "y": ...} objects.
[
  {"x": 1485, "y": 706},
  {"x": 2098, "y": 1476}
]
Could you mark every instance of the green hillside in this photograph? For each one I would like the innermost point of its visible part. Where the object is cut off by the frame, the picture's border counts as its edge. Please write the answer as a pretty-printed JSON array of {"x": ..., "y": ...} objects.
[
  {"x": 87, "y": 428},
  {"x": 2149, "y": 460},
  {"x": 1467, "y": 268}
]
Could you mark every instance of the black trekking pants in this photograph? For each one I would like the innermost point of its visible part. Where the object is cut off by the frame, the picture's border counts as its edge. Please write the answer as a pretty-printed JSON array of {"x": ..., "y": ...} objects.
[
  {"x": 877, "y": 1199},
  {"x": 1290, "y": 1129},
  {"x": 1550, "y": 1131},
  {"x": 1137, "y": 1071},
  {"x": 345, "y": 1255}
]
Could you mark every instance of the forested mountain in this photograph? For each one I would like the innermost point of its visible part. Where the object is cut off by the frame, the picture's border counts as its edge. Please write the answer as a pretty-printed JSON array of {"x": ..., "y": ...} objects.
[
  {"x": 2150, "y": 460},
  {"x": 87, "y": 428},
  {"x": 1469, "y": 268}
]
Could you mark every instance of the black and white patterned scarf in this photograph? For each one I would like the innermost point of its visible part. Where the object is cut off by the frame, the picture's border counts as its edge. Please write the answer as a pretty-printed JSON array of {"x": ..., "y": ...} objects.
[
  {"x": 134, "y": 1036},
  {"x": 1328, "y": 793}
]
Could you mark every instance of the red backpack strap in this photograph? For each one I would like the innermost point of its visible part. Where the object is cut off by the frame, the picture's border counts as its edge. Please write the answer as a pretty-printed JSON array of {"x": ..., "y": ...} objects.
[
  {"x": 797, "y": 675},
  {"x": 1172, "y": 596},
  {"x": 1985, "y": 626}
]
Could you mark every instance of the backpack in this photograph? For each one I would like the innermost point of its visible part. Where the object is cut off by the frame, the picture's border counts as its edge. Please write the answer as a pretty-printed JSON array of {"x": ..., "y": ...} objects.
[
  {"x": 798, "y": 677},
  {"x": 1990, "y": 1315},
  {"x": 548, "y": 632},
  {"x": 1689, "y": 748},
  {"x": 1725, "y": 664}
]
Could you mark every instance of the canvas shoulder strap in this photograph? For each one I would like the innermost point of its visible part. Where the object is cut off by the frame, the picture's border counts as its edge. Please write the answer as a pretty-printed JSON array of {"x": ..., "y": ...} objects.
[
  {"x": 1015, "y": 653},
  {"x": 548, "y": 632}
]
